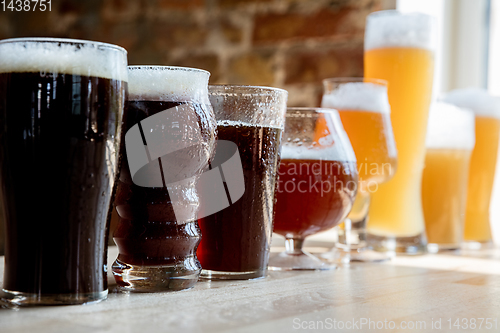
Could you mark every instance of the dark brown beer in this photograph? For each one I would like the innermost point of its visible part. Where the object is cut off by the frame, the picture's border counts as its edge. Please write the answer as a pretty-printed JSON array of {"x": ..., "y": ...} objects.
[
  {"x": 59, "y": 139},
  {"x": 313, "y": 196},
  {"x": 148, "y": 232},
  {"x": 237, "y": 239}
]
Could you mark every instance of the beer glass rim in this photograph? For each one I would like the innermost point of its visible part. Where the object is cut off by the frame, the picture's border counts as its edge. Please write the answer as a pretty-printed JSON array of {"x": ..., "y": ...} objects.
[
  {"x": 166, "y": 68},
  {"x": 305, "y": 111},
  {"x": 395, "y": 12},
  {"x": 62, "y": 40},
  {"x": 356, "y": 79},
  {"x": 237, "y": 88}
]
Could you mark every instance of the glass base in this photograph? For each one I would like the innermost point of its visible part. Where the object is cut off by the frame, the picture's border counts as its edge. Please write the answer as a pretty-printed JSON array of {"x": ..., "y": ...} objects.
[
  {"x": 15, "y": 298},
  {"x": 207, "y": 274},
  {"x": 473, "y": 245},
  {"x": 415, "y": 245},
  {"x": 135, "y": 278},
  {"x": 341, "y": 256},
  {"x": 435, "y": 248},
  {"x": 297, "y": 262}
]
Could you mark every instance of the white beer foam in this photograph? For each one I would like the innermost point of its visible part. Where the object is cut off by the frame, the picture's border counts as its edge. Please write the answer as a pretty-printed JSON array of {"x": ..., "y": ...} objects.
[
  {"x": 361, "y": 96},
  {"x": 391, "y": 28},
  {"x": 478, "y": 100},
  {"x": 168, "y": 83},
  {"x": 311, "y": 153},
  {"x": 63, "y": 56},
  {"x": 450, "y": 127},
  {"x": 242, "y": 123}
]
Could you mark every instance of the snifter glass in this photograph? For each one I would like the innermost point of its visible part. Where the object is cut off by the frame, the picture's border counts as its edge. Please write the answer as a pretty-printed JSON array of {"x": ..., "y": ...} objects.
[
  {"x": 317, "y": 183},
  {"x": 365, "y": 113},
  {"x": 61, "y": 110},
  {"x": 238, "y": 204}
]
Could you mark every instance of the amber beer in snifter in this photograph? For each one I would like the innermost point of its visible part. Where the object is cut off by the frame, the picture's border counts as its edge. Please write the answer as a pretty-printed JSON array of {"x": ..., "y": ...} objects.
[
  {"x": 399, "y": 48},
  {"x": 170, "y": 115},
  {"x": 477, "y": 231},
  {"x": 317, "y": 184},
  {"x": 61, "y": 109}
]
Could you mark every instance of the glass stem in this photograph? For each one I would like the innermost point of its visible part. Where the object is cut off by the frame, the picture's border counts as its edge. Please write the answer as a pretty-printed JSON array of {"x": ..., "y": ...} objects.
[{"x": 293, "y": 246}]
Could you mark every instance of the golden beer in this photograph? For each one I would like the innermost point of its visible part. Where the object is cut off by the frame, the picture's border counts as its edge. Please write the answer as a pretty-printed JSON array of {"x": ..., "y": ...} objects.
[
  {"x": 365, "y": 113},
  {"x": 483, "y": 160},
  {"x": 396, "y": 209},
  {"x": 450, "y": 140},
  {"x": 481, "y": 176},
  {"x": 372, "y": 140},
  {"x": 444, "y": 192}
]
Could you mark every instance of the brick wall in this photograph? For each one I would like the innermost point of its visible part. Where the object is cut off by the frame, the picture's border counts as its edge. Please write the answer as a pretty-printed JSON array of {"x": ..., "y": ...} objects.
[{"x": 291, "y": 44}]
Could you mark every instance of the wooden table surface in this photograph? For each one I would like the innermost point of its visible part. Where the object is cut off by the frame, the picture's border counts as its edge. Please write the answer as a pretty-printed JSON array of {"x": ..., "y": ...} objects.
[{"x": 420, "y": 294}]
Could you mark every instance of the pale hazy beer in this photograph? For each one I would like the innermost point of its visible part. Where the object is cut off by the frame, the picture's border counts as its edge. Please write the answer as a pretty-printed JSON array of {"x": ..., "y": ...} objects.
[
  {"x": 483, "y": 160},
  {"x": 399, "y": 49},
  {"x": 450, "y": 140},
  {"x": 365, "y": 113}
]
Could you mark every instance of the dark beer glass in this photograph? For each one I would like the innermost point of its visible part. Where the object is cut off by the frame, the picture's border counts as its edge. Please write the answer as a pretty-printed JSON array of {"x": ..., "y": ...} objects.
[
  {"x": 169, "y": 140},
  {"x": 236, "y": 240},
  {"x": 61, "y": 109}
]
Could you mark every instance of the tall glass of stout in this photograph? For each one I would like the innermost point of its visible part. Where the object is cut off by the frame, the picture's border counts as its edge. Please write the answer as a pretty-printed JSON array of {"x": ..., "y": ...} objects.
[
  {"x": 236, "y": 240},
  {"x": 61, "y": 109},
  {"x": 169, "y": 141}
]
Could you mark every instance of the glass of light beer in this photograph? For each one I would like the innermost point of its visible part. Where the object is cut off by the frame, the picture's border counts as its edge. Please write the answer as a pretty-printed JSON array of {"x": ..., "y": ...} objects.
[
  {"x": 477, "y": 232},
  {"x": 169, "y": 141},
  {"x": 317, "y": 183},
  {"x": 366, "y": 116},
  {"x": 236, "y": 238},
  {"x": 450, "y": 140},
  {"x": 61, "y": 110},
  {"x": 399, "y": 48}
]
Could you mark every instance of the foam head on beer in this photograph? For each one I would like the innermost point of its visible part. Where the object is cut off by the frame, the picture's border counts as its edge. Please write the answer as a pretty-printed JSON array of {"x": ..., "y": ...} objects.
[
  {"x": 333, "y": 146},
  {"x": 450, "y": 127},
  {"x": 77, "y": 57},
  {"x": 362, "y": 96},
  {"x": 168, "y": 83},
  {"x": 390, "y": 28},
  {"x": 478, "y": 100}
]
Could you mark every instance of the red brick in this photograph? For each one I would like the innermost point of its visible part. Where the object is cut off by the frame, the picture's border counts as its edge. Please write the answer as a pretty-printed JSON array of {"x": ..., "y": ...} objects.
[
  {"x": 255, "y": 68},
  {"x": 326, "y": 22},
  {"x": 232, "y": 33},
  {"x": 208, "y": 62},
  {"x": 314, "y": 66},
  {"x": 232, "y": 3},
  {"x": 120, "y": 11},
  {"x": 177, "y": 35},
  {"x": 181, "y": 4}
]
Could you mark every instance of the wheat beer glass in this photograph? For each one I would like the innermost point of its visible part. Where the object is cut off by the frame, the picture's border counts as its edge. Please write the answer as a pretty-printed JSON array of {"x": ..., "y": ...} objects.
[
  {"x": 399, "y": 48},
  {"x": 61, "y": 110},
  {"x": 317, "y": 183},
  {"x": 169, "y": 141},
  {"x": 365, "y": 113},
  {"x": 450, "y": 140},
  {"x": 477, "y": 232}
]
